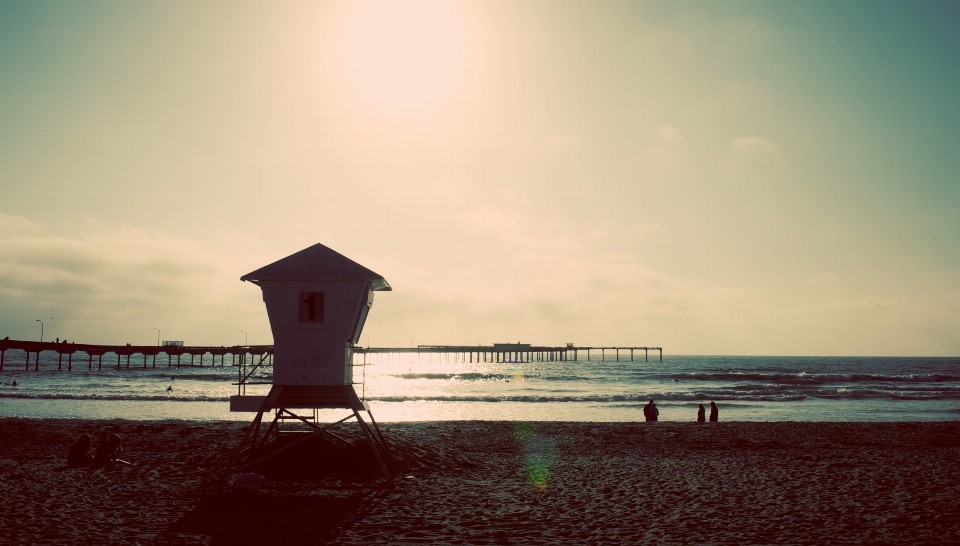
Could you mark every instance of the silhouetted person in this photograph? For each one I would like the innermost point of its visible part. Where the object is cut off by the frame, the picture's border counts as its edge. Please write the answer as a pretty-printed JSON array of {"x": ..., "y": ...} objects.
[
  {"x": 700, "y": 414},
  {"x": 650, "y": 411},
  {"x": 57, "y": 341},
  {"x": 108, "y": 451},
  {"x": 170, "y": 388},
  {"x": 79, "y": 453},
  {"x": 14, "y": 382},
  {"x": 713, "y": 412}
]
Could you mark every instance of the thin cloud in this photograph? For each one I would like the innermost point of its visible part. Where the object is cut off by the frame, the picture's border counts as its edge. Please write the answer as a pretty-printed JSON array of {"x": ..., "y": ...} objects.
[
  {"x": 115, "y": 284},
  {"x": 753, "y": 146},
  {"x": 13, "y": 226},
  {"x": 669, "y": 133}
]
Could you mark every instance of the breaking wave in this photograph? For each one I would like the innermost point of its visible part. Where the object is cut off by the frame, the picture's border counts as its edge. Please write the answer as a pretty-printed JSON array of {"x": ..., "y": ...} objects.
[
  {"x": 813, "y": 379},
  {"x": 116, "y": 397}
]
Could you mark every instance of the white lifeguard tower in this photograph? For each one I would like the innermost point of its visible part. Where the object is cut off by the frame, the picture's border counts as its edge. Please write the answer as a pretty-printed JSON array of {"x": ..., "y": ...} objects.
[{"x": 317, "y": 301}]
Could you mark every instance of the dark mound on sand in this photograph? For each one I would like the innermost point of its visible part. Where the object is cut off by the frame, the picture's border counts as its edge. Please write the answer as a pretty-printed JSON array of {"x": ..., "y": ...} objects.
[
  {"x": 347, "y": 457},
  {"x": 321, "y": 456}
]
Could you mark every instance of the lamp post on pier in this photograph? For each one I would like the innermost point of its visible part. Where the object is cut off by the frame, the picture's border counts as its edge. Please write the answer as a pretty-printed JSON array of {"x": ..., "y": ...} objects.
[
  {"x": 244, "y": 337},
  {"x": 158, "y": 335},
  {"x": 41, "y": 328}
]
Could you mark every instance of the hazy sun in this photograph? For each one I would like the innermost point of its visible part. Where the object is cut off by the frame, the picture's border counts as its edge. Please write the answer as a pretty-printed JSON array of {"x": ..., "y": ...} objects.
[{"x": 407, "y": 55}]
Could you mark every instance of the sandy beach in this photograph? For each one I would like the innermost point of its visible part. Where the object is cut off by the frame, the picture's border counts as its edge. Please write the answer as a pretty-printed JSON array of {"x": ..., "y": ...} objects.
[{"x": 498, "y": 483}]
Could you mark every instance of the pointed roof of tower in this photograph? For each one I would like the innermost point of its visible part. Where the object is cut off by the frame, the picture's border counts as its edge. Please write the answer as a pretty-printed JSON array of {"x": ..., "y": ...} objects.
[{"x": 316, "y": 263}]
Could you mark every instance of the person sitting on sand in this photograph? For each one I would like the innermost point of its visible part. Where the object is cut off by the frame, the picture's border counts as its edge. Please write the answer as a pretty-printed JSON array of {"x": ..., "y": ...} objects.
[
  {"x": 79, "y": 453},
  {"x": 713, "y": 412},
  {"x": 700, "y": 414},
  {"x": 108, "y": 451}
]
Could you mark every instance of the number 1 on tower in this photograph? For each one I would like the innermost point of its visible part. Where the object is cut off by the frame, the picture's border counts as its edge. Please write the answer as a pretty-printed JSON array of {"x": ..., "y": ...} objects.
[{"x": 311, "y": 307}]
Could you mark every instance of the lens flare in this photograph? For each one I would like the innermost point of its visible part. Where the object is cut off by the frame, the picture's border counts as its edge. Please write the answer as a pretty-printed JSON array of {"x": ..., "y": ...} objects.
[
  {"x": 539, "y": 454},
  {"x": 523, "y": 431}
]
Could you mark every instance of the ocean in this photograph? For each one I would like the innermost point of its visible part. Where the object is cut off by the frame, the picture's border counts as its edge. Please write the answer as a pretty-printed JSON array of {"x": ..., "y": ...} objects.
[{"x": 428, "y": 387}]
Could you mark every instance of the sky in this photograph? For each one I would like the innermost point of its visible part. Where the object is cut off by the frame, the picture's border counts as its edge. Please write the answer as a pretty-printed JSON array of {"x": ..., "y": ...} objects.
[{"x": 713, "y": 177}]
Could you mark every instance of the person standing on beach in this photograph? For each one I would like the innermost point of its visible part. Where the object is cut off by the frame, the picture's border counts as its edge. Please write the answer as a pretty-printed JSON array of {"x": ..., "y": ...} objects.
[
  {"x": 647, "y": 414},
  {"x": 700, "y": 414},
  {"x": 653, "y": 412},
  {"x": 713, "y": 412}
]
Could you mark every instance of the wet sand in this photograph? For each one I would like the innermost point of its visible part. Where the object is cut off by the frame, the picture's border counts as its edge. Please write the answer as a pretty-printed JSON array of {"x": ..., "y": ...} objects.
[{"x": 499, "y": 483}]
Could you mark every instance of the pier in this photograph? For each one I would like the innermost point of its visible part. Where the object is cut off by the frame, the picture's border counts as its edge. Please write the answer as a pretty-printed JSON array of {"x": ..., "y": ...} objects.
[
  {"x": 521, "y": 352},
  {"x": 143, "y": 356}
]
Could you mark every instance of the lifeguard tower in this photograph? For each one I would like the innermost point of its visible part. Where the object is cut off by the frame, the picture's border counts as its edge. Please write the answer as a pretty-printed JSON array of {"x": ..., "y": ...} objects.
[{"x": 317, "y": 301}]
